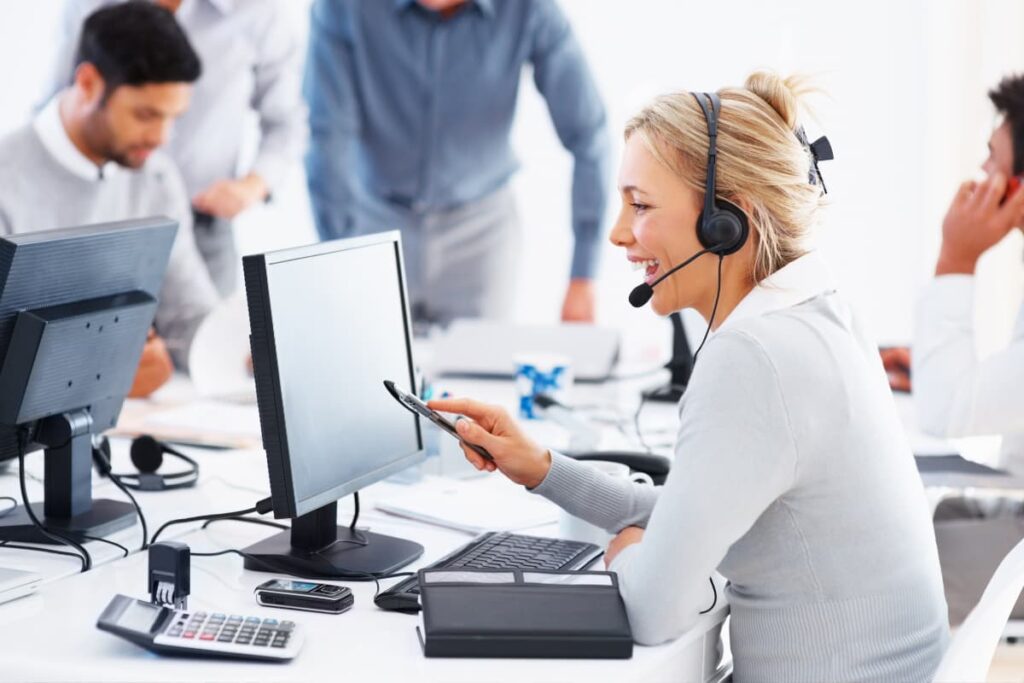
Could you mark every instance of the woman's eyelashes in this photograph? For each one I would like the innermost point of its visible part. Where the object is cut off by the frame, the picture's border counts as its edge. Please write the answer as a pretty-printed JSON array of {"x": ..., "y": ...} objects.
[{"x": 639, "y": 207}]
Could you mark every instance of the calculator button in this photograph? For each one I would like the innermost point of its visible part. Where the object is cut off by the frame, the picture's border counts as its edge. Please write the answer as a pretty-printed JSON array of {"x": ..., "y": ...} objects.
[
  {"x": 225, "y": 639},
  {"x": 252, "y": 620},
  {"x": 286, "y": 625},
  {"x": 270, "y": 622},
  {"x": 243, "y": 640},
  {"x": 189, "y": 634},
  {"x": 277, "y": 644},
  {"x": 208, "y": 636},
  {"x": 235, "y": 619}
]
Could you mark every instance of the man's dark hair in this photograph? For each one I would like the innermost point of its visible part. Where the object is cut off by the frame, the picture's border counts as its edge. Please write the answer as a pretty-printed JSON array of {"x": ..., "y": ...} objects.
[
  {"x": 135, "y": 43},
  {"x": 1008, "y": 98}
]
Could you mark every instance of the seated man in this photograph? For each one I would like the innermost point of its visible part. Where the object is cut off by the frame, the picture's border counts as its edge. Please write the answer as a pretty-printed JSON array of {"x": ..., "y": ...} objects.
[
  {"x": 955, "y": 393},
  {"x": 91, "y": 156}
]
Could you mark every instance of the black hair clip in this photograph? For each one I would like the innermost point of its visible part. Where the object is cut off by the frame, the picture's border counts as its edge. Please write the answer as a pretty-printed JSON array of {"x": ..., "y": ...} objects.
[{"x": 821, "y": 150}]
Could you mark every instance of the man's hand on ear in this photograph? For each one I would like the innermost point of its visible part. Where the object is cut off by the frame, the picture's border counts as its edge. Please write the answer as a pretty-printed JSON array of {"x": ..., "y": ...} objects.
[{"x": 155, "y": 367}]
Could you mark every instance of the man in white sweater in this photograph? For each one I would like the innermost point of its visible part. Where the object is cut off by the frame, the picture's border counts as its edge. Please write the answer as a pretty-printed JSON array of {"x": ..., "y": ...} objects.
[
  {"x": 91, "y": 155},
  {"x": 955, "y": 393}
]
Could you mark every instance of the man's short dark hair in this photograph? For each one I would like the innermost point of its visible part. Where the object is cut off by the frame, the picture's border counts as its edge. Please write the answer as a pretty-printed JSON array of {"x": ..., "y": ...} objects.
[
  {"x": 135, "y": 43},
  {"x": 1008, "y": 98}
]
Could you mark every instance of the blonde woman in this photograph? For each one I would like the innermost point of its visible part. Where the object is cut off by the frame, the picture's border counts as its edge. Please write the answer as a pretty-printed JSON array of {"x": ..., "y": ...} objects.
[{"x": 792, "y": 476}]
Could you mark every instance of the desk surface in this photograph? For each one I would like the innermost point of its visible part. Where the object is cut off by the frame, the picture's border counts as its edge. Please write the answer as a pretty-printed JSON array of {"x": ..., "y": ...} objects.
[{"x": 52, "y": 635}]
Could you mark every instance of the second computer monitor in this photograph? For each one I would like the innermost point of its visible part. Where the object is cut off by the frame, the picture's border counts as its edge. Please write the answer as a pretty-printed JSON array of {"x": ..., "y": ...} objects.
[{"x": 329, "y": 323}]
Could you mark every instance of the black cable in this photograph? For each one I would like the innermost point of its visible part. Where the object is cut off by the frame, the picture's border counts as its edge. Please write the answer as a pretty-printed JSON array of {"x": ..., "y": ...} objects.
[
  {"x": 108, "y": 542},
  {"x": 251, "y": 520},
  {"x": 714, "y": 600},
  {"x": 138, "y": 509},
  {"x": 53, "y": 536},
  {"x": 51, "y": 551},
  {"x": 199, "y": 518},
  {"x": 355, "y": 514},
  {"x": 14, "y": 505},
  {"x": 714, "y": 309}
]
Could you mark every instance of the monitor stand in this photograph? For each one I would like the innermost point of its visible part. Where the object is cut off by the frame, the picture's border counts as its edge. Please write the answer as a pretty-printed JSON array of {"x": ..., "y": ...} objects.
[
  {"x": 316, "y": 547},
  {"x": 680, "y": 365},
  {"x": 68, "y": 507}
]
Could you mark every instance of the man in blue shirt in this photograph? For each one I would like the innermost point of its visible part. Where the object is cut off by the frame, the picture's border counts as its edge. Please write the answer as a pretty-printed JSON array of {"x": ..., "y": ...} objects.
[{"x": 411, "y": 107}]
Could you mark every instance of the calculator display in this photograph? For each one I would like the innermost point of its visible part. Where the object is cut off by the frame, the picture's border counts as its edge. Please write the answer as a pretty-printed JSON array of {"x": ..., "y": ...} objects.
[
  {"x": 292, "y": 586},
  {"x": 139, "y": 616}
]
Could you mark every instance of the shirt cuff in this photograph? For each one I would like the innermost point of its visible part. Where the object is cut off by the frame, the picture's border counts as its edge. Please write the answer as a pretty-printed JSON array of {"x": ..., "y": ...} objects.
[
  {"x": 272, "y": 169},
  {"x": 585, "y": 253},
  {"x": 947, "y": 296},
  {"x": 575, "y": 487}
]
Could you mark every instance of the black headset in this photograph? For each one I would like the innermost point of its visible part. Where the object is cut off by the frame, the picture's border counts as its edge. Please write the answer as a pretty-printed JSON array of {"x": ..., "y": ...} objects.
[
  {"x": 147, "y": 456},
  {"x": 722, "y": 227}
]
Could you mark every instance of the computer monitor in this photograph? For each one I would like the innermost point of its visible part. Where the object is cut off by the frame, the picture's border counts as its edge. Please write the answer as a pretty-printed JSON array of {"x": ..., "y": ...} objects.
[
  {"x": 75, "y": 308},
  {"x": 329, "y": 323}
]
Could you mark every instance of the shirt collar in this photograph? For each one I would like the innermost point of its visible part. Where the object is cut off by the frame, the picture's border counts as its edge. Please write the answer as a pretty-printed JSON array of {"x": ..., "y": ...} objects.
[
  {"x": 54, "y": 135},
  {"x": 794, "y": 283},
  {"x": 486, "y": 6}
]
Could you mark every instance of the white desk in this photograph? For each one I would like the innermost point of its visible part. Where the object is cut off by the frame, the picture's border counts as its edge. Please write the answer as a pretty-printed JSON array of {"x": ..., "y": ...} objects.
[{"x": 52, "y": 635}]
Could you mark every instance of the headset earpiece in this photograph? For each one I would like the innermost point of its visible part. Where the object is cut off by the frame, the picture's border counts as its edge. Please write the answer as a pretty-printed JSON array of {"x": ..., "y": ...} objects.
[
  {"x": 147, "y": 454},
  {"x": 726, "y": 231}
]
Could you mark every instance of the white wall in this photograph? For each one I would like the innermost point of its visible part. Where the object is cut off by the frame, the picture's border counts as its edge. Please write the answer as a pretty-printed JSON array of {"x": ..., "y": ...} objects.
[{"x": 905, "y": 110}]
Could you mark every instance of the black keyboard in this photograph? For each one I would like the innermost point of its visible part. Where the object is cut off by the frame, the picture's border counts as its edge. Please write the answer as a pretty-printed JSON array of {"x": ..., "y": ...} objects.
[{"x": 497, "y": 550}]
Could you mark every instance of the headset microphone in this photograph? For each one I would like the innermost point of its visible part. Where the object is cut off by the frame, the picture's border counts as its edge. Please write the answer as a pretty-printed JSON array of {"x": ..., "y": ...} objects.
[{"x": 643, "y": 292}]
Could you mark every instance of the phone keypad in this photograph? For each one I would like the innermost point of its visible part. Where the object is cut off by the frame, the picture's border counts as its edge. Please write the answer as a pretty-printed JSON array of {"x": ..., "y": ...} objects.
[{"x": 233, "y": 628}]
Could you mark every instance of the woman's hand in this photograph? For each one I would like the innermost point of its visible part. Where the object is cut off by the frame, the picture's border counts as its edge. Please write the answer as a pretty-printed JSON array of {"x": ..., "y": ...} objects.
[
  {"x": 517, "y": 456},
  {"x": 624, "y": 539}
]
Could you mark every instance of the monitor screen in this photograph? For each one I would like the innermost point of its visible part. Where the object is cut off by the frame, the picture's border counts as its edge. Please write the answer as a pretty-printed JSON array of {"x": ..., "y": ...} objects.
[{"x": 340, "y": 328}]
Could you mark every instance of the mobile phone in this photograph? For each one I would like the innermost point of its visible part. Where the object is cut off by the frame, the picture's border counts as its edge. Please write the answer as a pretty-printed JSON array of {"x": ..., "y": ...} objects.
[
  {"x": 304, "y": 595},
  {"x": 420, "y": 408},
  {"x": 1012, "y": 186}
]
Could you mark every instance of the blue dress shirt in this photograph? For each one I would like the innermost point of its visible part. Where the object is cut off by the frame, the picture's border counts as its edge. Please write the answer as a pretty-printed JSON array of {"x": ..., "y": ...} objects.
[{"x": 415, "y": 110}]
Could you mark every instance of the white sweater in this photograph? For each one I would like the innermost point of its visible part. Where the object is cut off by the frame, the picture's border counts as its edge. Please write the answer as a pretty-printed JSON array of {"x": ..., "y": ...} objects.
[{"x": 793, "y": 478}]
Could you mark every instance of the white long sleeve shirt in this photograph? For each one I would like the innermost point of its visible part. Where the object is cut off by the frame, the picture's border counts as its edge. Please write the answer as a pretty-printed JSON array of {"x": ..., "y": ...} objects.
[
  {"x": 955, "y": 393},
  {"x": 793, "y": 478}
]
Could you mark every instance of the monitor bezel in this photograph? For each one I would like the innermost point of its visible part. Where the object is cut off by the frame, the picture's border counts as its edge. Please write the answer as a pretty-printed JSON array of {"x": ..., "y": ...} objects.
[{"x": 269, "y": 395}]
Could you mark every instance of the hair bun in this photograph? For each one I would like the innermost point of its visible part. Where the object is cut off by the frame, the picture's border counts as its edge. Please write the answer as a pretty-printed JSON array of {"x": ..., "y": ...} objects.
[{"x": 782, "y": 94}]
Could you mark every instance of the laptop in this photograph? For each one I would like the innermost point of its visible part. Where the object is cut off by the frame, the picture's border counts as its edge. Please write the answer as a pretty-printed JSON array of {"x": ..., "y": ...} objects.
[
  {"x": 15, "y": 583},
  {"x": 488, "y": 348}
]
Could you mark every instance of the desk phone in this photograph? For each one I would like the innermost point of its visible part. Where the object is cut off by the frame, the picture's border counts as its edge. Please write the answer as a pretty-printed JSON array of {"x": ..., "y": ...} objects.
[{"x": 201, "y": 634}]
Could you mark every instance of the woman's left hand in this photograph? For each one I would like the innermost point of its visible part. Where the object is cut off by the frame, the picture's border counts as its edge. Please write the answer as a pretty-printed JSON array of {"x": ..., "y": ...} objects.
[{"x": 624, "y": 539}]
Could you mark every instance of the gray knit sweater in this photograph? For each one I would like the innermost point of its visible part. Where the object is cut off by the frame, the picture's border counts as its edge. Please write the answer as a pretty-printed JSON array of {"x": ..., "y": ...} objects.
[
  {"x": 793, "y": 478},
  {"x": 38, "y": 193}
]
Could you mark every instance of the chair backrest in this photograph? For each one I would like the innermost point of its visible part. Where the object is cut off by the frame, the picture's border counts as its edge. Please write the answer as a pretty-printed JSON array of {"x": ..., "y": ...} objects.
[{"x": 970, "y": 652}]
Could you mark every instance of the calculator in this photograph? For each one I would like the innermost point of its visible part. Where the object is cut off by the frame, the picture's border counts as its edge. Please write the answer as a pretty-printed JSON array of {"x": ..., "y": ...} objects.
[{"x": 200, "y": 634}]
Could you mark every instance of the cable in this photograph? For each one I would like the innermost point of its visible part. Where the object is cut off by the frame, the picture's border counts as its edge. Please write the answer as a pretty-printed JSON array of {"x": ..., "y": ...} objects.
[
  {"x": 109, "y": 542},
  {"x": 714, "y": 310},
  {"x": 138, "y": 509},
  {"x": 53, "y": 536},
  {"x": 51, "y": 551},
  {"x": 251, "y": 520},
  {"x": 14, "y": 505},
  {"x": 262, "y": 507},
  {"x": 355, "y": 514},
  {"x": 714, "y": 600}
]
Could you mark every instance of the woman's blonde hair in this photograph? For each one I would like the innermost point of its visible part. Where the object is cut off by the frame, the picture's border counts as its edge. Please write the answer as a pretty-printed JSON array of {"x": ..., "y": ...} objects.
[{"x": 760, "y": 160}]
